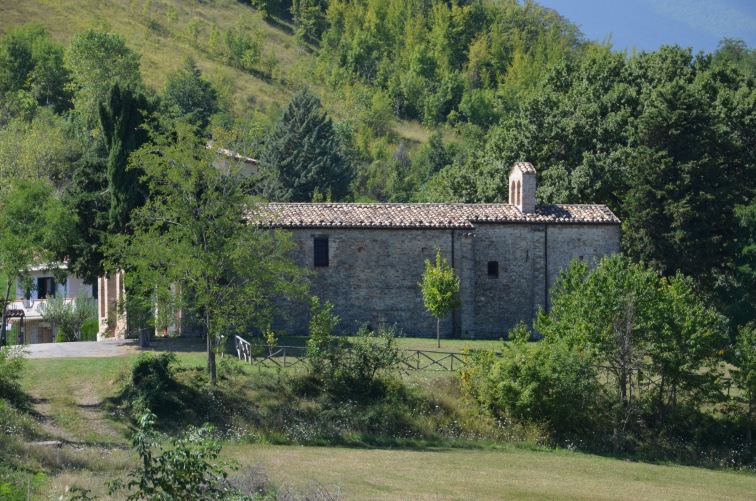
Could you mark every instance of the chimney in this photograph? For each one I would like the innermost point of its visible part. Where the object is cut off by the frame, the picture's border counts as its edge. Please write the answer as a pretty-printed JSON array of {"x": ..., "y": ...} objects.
[{"x": 522, "y": 187}]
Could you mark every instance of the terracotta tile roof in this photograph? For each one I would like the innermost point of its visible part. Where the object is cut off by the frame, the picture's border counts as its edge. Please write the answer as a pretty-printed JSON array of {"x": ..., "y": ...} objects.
[
  {"x": 341, "y": 215},
  {"x": 525, "y": 167}
]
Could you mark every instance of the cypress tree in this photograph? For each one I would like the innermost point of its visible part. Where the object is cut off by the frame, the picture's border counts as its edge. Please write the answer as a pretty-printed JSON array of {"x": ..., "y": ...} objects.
[
  {"x": 302, "y": 157},
  {"x": 121, "y": 118}
]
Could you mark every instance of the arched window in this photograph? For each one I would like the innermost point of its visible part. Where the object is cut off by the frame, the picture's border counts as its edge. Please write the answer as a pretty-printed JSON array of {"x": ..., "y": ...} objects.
[
  {"x": 512, "y": 192},
  {"x": 518, "y": 194}
]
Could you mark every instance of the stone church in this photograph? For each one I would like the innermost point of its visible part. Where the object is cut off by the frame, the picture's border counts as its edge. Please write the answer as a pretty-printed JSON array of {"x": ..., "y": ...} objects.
[{"x": 368, "y": 259}]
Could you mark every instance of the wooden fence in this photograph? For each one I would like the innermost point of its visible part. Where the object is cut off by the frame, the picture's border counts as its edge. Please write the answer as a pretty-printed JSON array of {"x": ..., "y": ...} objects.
[{"x": 286, "y": 356}]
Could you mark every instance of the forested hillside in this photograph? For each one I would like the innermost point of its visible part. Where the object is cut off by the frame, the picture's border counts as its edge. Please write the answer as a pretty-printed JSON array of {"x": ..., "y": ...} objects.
[{"x": 421, "y": 101}]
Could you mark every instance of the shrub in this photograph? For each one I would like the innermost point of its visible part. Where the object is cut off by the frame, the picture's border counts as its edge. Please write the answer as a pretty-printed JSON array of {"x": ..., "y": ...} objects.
[
  {"x": 11, "y": 364},
  {"x": 89, "y": 330},
  {"x": 185, "y": 470},
  {"x": 152, "y": 384},
  {"x": 69, "y": 316},
  {"x": 350, "y": 367},
  {"x": 537, "y": 382},
  {"x": 321, "y": 345}
]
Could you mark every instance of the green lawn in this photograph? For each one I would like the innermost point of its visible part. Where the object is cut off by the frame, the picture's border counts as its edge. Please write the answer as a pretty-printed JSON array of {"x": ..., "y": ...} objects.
[
  {"x": 486, "y": 474},
  {"x": 418, "y": 343}
]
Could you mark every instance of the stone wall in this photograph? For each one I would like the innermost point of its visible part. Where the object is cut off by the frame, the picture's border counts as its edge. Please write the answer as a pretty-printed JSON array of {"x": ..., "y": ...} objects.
[{"x": 373, "y": 274}]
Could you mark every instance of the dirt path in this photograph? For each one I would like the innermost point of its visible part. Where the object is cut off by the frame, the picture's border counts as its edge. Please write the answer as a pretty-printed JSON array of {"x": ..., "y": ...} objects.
[
  {"x": 82, "y": 416},
  {"x": 43, "y": 410},
  {"x": 91, "y": 410}
]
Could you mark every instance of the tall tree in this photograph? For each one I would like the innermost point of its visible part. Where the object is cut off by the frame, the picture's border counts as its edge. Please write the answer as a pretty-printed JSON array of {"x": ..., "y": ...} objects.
[
  {"x": 33, "y": 225},
  {"x": 88, "y": 197},
  {"x": 625, "y": 318},
  {"x": 195, "y": 241},
  {"x": 440, "y": 288},
  {"x": 31, "y": 64},
  {"x": 190, "y": 96},
  {"x": 97, "y": 61},
  {"x": 122, "y": 117},
  {"x": 302, "y": 155}
]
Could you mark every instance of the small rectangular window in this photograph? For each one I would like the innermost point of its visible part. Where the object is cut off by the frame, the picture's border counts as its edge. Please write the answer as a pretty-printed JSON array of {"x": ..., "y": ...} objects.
[
  {"x": 321, "y": 251},
  {"x": 493, "y": 269}
]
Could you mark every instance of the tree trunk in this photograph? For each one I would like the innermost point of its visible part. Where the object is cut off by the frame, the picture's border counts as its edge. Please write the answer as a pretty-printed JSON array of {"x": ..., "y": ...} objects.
[
  {"x": 3, "y": 333},
  {"x": 2, "y": 329},
  {"x": 660, "y": 403},
  {"x": 438, "y": 332},
  {"x": 211, "y": 369}
]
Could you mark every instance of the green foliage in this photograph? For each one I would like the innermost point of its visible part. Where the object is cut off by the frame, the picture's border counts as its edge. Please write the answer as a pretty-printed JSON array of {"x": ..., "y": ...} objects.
[
  {"x": 69, "y": 315},
  {"x": 432, "y": 56},
  {"x": 33, "y": 226},
  {"x": 188, "y": 96},
  {"x": 32, "y": 64},
  {"x": 541, "y": 383},
  {"x": 89, "y": 329},
  {"x": 195, "y": 245},
  {"x": 88, "y": 198},
  {"x": 11, "y": 365},
  {"x": 20, "y": 486},
  {"x": 121, "y": 117},
  {"x": 185, "y": 470},
  {"x": 97, "y": 61},
  {"x": 744, "y": 374},
  {"x": 302, "y": 155},
  {"x": 349, "y": 367},
  {"x": 659, "y": 347},
  {"x": 22, "y": 157},
  {"x": 152, "y": 384},
  {"x": 440, "y": 289},
  {"x": 625, "y": 318},
  {"x": 628, "y": 363},
  {"x": 370, "y": 358},
  {"x": 320, "y": 343}
]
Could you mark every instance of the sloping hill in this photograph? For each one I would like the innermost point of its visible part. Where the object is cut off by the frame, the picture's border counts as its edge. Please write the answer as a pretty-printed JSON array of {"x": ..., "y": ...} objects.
[{"x": 164, "y": 32}]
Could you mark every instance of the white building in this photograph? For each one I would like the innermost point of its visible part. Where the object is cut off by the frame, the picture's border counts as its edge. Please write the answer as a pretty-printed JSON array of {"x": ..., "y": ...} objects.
[{"x": 35, "y": 329}]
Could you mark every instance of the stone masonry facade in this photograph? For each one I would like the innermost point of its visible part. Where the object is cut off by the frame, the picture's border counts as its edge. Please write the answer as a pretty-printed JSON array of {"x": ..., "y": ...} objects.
[{"x": 368, "y": 259}]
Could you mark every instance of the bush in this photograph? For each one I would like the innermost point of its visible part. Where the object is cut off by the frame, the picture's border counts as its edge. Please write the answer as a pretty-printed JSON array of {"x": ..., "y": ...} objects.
[
  {"x": 63, "y": 336},
  {"x": 152, "y": 384},
  {"x": 539, "y": 383},
  {"x": 185, "y": 470},
  {"x": 89, "y": 330},
  {"x": 11, "y": 364},
  {"x": 351, "y": 367}
]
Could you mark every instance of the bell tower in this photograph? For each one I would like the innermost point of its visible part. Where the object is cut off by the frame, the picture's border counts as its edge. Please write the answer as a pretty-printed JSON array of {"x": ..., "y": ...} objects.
[{"x": 522, "y": 187}]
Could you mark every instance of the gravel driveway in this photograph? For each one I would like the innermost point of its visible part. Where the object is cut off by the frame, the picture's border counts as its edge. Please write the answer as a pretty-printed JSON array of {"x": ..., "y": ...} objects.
[
  {"x": 109, "y": 348},
  {"x": 112, "y": 347}
]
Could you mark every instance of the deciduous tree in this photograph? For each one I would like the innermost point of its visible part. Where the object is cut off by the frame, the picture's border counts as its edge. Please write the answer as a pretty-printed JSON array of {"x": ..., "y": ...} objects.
[
  {"x": 33, "y": 225},
  {"x": 627, "y": 319},
  {"x": 195, "y": 240},
  {"x": 190, "y": 96},
  {"x": 440, "y": 288},
  {"x": 97, "y": 60}
]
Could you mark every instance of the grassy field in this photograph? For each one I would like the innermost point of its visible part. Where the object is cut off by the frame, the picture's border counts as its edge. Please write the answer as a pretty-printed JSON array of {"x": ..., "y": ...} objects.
[
  {"x": 417, "y": 343},
  {"x": 487, "y": 474},
  {"x": 158, "y": 31},
  {"x": 70, "y": 399}
]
